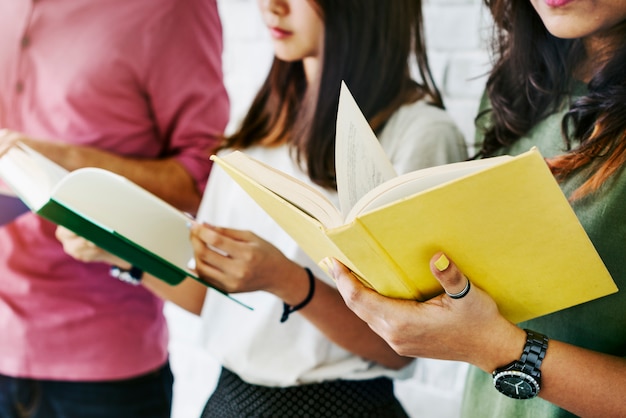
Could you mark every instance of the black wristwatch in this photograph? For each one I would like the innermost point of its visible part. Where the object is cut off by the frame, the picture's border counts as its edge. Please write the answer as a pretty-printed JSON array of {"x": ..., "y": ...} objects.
[{"x": 521, "y": 379}]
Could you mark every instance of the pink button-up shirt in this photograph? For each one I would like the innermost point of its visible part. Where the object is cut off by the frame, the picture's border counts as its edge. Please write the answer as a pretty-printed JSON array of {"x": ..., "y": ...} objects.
[{"x": 134, "y": 77}]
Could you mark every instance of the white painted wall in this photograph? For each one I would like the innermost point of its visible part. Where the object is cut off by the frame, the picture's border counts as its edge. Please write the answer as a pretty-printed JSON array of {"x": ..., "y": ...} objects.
[{"x": 455, "y": 30}]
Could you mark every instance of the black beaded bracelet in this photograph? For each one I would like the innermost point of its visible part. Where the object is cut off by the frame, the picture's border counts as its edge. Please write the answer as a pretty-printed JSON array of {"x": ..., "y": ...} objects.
[
  {"x": 288, "y": 309},
  {"x": 132, "y": 276}
]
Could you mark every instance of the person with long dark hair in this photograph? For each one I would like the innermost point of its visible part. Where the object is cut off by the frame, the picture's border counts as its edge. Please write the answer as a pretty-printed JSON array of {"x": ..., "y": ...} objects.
[
  {"x": 301, "y": 351},
  {"x": 558, "y": 84}
]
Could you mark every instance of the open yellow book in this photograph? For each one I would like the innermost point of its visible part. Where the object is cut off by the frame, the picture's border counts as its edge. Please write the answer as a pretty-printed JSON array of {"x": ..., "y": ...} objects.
[
  {"x": 503, "y": 220},
  {"x": 109, "y": 210}
]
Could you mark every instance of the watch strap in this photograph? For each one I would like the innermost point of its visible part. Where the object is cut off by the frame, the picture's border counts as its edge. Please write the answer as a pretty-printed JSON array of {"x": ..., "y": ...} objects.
[
  {"x": 132, "y": 276},
  {"x": 526, "y": 369},
  {"x": 534, "y": 352}
]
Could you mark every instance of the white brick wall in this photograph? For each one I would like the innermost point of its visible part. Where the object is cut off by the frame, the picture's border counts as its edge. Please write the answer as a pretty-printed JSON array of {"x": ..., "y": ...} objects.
[
  {"x": 456, "y": 31},
  {"x": 456, "y": 34}
]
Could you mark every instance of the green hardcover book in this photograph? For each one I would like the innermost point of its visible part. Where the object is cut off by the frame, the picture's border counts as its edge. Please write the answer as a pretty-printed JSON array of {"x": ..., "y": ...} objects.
[{"x": 107, "y": 209}]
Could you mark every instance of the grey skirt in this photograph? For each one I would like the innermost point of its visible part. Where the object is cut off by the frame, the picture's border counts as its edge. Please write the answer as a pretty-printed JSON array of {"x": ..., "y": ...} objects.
[{"x": 234, "y": 398}]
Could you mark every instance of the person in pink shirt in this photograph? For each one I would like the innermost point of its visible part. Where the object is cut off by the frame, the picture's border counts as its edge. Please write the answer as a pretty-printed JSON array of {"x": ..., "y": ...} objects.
[{"x": 135, "y": 87}]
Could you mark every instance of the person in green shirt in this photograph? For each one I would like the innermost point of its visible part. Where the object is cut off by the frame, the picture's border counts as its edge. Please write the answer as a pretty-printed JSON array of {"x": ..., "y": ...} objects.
[{"x": 559, "y": 84}]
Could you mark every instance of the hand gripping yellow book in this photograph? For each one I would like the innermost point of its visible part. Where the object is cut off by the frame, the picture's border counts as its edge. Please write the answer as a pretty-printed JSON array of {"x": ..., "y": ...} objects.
[{"x": 503, "y": 220}]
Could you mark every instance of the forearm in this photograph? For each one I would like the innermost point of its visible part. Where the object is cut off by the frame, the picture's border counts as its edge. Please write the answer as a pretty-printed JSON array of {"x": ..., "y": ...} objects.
[
  {"x": 240, "y": 261},
  {"x": 165, "y": 178},
  {"x": 581, "y": 381},
  {"x": 471, "y": 329},
  {"x": 584, "y": 382},
  {"x": 189, "y": 294},
  {"x": 328, "y": 312}
]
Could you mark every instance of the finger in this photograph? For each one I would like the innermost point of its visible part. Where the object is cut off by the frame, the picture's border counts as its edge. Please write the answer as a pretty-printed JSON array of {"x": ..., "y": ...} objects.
[
  {"x": 63, "y": 233},
  {"x": 191, "y": 222},
  {"x": 4, "y": 138},
  {"x": 213, "y": 267},
  {"x": 448, "y": 274},
  {"x": 212, "y": 275},
  {"x": 7, "y": 140},
  {"x": 234, "y": 234},
  {"x": 66, "y": 237},
  {"x": 366, "y": 303},
  {"x": 207, "y": 254},
  {"x": 201, "y": 229},
  {"x": 210, "y": 259},
  {"x": 8, "y": 135},
  {"x": 215, "y": 239}
]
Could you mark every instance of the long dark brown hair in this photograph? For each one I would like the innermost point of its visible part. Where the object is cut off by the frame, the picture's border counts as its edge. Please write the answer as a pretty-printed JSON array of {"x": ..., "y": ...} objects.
[
  {"x": 371, "y": 45},
  {"x": 533, "y": 75}
]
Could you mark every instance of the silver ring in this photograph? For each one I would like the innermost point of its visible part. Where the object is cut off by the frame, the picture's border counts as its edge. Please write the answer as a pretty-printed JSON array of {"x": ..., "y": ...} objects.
[{"x": 462, "y": 293}]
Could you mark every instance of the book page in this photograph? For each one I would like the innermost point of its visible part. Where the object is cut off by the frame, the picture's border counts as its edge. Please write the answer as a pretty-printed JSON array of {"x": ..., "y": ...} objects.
[
  {"x": 120, "y": 206},
  {"x": 360, "y": 161},
  {"x": 298, "y": 193},
  {"x": 417, "y": 181},
  {"x": 30, "y": 175}
]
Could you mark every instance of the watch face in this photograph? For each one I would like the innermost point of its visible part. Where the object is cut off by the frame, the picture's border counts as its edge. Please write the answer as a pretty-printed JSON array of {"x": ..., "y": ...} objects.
[{"x": 516, "y": 384}]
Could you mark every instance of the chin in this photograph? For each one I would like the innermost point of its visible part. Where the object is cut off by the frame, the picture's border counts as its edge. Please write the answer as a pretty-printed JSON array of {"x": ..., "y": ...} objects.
[{"x": 288, "y": 57}]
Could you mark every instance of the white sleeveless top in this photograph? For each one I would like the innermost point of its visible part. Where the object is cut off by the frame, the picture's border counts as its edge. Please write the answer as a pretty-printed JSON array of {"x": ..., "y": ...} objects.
[{"x": 253, "y": 343}]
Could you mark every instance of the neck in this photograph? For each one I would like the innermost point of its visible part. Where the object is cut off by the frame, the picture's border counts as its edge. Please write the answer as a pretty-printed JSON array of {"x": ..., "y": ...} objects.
[
  {"x": 599, "y": 48},
  {"x": 311, "y": 68}
]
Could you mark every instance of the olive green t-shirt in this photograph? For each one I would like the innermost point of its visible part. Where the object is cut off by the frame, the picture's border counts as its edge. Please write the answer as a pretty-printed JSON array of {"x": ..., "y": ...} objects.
[{"x": 598, "y": 325}]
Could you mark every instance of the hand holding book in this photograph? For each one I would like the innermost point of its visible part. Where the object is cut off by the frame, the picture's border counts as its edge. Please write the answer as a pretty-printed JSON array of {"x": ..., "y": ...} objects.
[
  {"x": 106, "y": 209},
  {"x": 503, "y": 220}
]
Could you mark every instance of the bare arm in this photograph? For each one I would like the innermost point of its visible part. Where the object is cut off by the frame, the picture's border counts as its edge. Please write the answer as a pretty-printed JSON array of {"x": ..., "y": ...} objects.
[
  {"x": 253, "y": 264},
  {"x": 189, "y": 294},
  {"x": 472, "y": 330},
  {"x": 165, "y": 177},
  {"x": 328, "y": 312},
  {"x": 243, "y": 262}
]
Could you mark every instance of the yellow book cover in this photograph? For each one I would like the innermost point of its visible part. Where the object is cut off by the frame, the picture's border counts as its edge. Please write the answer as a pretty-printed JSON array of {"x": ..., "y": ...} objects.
[{"x": 503, "y": 220}]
